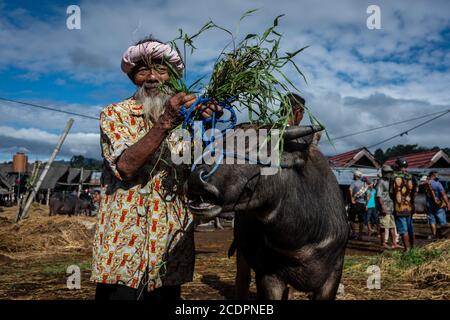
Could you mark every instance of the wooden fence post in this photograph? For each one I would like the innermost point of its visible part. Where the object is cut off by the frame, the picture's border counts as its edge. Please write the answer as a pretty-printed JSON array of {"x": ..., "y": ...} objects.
[{"x": 21, "y": 214}]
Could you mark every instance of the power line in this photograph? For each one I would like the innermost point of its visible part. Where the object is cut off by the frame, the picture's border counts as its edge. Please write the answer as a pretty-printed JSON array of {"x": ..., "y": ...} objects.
[
  {"x": 440, "y": 114},
  {"x": 409, "y": 130},
  {"x": 49, "y": 108},
  {"x": 390, "y": 124}
]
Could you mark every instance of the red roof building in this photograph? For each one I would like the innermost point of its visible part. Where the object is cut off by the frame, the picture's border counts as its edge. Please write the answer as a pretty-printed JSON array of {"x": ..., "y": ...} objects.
[
  {"x": 359, "y": 158},
  {"x": 426, "y": 159}
]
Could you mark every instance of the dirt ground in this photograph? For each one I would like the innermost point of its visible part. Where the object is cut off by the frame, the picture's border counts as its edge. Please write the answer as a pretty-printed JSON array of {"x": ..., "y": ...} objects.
[{"x": 35, "y": 255}]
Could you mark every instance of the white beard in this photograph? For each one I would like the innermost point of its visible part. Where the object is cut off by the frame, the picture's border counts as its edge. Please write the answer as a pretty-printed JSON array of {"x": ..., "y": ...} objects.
[{"x": 153, "y": 105}]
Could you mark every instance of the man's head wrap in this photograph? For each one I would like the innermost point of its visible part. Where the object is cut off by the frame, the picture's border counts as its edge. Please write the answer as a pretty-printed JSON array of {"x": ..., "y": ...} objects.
[{"x": 153, "y": 50}]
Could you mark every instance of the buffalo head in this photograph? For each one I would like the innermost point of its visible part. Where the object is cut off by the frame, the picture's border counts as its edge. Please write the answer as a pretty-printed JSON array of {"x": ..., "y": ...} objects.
[{"x": 242, "y": 187}]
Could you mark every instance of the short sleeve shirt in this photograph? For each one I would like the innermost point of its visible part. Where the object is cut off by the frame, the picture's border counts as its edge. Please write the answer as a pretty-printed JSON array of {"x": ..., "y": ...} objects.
[
  {"x": 371, "y": 196},
  {"x": 437, "y": 188},
  {"x": 356, "y": 187},
  {"x": 383, "y": 193},
  {"x": 144, "y": 226}
]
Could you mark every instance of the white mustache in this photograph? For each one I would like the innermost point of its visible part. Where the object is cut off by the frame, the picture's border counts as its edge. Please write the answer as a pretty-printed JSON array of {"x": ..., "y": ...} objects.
[{"x": 153, "y": 104}]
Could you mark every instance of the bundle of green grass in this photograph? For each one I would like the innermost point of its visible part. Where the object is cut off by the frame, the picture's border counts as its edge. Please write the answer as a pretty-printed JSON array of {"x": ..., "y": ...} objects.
[{"x": 250, "y": 76}]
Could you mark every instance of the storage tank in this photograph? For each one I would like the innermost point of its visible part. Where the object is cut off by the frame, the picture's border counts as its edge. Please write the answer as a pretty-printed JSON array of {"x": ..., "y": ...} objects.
[{"x": 20, "y": 161}]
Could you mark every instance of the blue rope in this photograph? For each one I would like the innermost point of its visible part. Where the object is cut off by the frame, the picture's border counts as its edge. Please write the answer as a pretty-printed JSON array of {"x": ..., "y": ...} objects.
[{"x": 188, "y": 123}]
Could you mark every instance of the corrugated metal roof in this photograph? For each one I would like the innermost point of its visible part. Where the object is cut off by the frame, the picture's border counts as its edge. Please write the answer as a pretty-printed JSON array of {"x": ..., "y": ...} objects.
[
  {"x": 351, "y": 158},
  {"x": 422, "y": 159}
]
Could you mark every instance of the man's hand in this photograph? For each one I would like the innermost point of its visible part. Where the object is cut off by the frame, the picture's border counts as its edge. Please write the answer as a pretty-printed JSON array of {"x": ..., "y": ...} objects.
[
  {"x": 207, "y": 110},
  {"x": 171, "y": 117}
]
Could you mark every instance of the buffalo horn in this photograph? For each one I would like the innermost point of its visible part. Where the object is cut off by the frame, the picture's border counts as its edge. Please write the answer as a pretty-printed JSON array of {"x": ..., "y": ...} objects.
[{"x": 296, "y": 132}]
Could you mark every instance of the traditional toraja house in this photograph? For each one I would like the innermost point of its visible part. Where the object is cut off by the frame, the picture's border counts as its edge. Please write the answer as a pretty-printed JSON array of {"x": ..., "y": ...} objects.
[
  {"x": 76, "y": 177},
  {"x": 59, "y": 178},
  {"x": 6, "y": 190}
]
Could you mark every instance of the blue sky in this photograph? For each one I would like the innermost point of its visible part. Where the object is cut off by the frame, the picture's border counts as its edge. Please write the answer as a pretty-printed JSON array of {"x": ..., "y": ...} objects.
[{"x": 357, "y": 78}]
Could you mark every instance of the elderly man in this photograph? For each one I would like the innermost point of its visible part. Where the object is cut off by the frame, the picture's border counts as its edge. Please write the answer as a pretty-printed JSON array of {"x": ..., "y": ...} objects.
[{"x": 144, "y": 246}]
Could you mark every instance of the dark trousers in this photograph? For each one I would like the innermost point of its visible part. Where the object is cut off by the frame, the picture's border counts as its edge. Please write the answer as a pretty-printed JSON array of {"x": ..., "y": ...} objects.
[{"x": 121, "y": 292}]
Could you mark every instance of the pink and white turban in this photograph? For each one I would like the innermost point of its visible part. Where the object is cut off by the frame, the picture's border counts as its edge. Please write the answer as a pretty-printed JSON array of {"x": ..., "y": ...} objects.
[{"x": 155, "y": 50}]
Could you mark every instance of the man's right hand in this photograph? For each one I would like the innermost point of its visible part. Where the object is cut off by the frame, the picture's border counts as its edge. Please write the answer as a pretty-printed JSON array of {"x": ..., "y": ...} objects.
[{"x": 171, "y": 117}]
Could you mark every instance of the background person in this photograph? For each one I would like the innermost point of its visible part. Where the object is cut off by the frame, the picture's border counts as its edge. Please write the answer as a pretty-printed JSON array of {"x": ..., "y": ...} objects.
[
  {"x": 357, "y": 192},
  {"x": 371, "y": 215},
  {"x": 402, "y": 189},
  {"x": 386, "y": 208},
  {"x": 437, "y": 202}
]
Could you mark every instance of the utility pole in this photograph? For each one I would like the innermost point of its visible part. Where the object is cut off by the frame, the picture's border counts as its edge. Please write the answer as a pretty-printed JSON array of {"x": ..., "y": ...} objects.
[{"x": 21, "y": 214}]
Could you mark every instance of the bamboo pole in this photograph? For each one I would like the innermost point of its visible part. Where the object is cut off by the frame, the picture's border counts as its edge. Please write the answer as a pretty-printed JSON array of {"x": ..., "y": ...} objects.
[
  {"x": 48, "y": 197},
  {"x": 80, "y": 185},
  {"x": 23, "y": 214}
]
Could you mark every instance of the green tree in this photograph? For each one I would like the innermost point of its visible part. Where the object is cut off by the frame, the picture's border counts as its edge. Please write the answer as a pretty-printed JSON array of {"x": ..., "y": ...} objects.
[
  {"x": 379, "y": 155},
  {"x": 77, "y": 161},
  {"x": 403, "y": 149}
]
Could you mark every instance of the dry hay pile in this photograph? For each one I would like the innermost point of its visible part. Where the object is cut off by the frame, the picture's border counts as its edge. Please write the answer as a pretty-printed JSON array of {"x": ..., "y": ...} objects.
[
  {"x": 423, "y": 273},
  {"x": 436, "y": 272},
  {"x": 40, "y": 234}
]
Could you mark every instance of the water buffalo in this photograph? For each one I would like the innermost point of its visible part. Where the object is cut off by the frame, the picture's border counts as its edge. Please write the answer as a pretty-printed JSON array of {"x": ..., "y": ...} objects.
[
  {"x": 290, "y": 227},
  {"x": 69, "y": 204}
]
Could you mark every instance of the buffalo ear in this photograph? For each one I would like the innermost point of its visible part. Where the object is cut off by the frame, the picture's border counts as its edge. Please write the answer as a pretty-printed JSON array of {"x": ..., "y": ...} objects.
[{"x": 295, "y": 132}]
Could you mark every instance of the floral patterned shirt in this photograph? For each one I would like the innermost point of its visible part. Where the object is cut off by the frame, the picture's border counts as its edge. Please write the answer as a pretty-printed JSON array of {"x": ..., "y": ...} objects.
[{"x": 144, "y": 226}]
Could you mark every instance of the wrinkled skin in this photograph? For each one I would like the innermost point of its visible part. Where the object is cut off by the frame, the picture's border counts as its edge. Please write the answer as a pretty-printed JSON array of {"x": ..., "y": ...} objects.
[{"x": 290, "y": 228}]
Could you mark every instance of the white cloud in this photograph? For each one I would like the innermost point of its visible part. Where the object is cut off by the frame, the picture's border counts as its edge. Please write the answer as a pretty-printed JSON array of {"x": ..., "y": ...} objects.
[{"x": 395, "y": 73}]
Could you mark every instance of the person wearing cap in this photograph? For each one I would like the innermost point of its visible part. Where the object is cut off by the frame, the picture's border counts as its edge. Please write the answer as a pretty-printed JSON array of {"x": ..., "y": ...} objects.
[
  {"x": 357, "y": 194},
  {"x": 402, "y": 188},
  {"x": 437, "y": 202},
  {"x": 144, "y": 245},
  {"x": 386, "y": 208}
]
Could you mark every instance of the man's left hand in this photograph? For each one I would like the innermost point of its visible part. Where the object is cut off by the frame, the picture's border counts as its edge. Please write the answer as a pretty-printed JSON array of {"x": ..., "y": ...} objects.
[{"x": 206, "y": 110}]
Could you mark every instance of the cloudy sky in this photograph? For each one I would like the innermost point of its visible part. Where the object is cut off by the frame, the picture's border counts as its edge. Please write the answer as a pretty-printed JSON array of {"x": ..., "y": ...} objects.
[{"x": 357, "y": 78}]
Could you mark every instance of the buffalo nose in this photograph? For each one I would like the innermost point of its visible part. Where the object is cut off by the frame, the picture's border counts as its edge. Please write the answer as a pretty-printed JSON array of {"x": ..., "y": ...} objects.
[
  {"x": 197, "y": 181},
  {"x": 199, "y": 185}
]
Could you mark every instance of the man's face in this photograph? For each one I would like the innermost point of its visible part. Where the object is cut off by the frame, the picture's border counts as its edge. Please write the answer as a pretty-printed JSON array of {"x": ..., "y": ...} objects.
[
  {"x": 151, "y": 77},
  {"x": 297, "y": 116}
]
